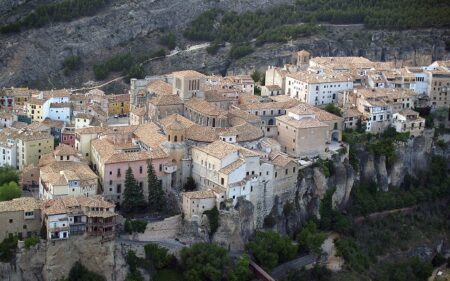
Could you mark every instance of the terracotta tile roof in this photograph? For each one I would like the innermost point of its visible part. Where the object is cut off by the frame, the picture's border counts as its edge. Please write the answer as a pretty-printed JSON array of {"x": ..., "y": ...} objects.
[
  {"x": 53, "y": 123},
  {"x": 244, "y": 115},
  {"x": 169, "y": 119},
  {"x": 20, "y": 204},
  {"x": 160, "y": 87},
  {"x": 301, "y": 124},
  {"x": 16, "y": 92},
  {"x": 90, "y": 130},
  {"x": 204, "y": 107},
  {"x": 280, "y": 160},
  {"x": 56, "y": 93},
  {"x": 60, "y": 105},
  {"x": 218, "y": 149},
  {"x": 68, "y": 204},
  {"x": 64, "y": 150},
  {"x": 36, "y": 101},
  {"x": 82, "y": 115},
  {"x": 408, "y": 111},
  {"x": 31, "y": 136},
  {"x": 150, "y": 134},
  {"x": 218, "y": 95},
  {"x": 351, "y": 112},
  {"x": 269, "y": 105},
  {"x": 118, "y": 98},
  {"x": 60, "y": 172},
  {"x": 232, "y": 167},
  {"x": 166, "y": 100},
  {"x": 343, "y": 62},
  {"x": 199, "y": 194},
  {"x": 323, "y": 115},
  {"x": 311, "y": 77},
  {"x": 138, "y": 111},
  {"x": 188, "y": 73}
]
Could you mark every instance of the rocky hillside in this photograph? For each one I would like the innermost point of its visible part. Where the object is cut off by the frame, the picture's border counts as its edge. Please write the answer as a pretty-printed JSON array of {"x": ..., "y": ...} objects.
[{"x": 35, "y": 57}]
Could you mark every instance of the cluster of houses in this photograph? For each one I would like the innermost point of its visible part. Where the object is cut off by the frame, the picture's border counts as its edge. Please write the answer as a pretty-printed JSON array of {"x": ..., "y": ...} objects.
[{"x": 233, "y": 143}]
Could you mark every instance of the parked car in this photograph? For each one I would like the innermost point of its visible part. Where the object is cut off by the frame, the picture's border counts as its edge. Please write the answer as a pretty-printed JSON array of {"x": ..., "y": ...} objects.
[{"x": 116, "y": 116}]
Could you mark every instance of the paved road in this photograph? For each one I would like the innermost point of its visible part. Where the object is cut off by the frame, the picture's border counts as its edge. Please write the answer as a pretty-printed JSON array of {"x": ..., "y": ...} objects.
[{"x": 298, "y": 263}]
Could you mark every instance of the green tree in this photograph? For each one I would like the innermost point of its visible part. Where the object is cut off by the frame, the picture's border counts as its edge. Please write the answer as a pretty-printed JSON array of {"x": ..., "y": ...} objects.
[
  {"x": 270, "y": 248},
  {"x": 310, "y": 238},
  {"x": 190, "y": 184},
  {"x": 241, "y": 271},
  {"x": 169, "y": 40},
  {"x": 204, "y": 261},
  {"x": 133, "y": 195},
  {"x": 79, "y": 272},
  {"x": 156, "y": 197},
  {"x": 333, "y": 109},
  {"x": 213, "y": 218},
  {"x": 136, "y": 71},
  {"x": 157, "y": 255},
  {"x": 257, "y": 75},
  {"x": 9, "y": 191},
  {"x": 8, "y": 174},
  {"x": 71, "y": 63}
]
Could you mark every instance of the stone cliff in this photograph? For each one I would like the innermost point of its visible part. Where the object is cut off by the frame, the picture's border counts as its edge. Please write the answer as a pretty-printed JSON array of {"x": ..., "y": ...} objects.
[
  {"x": 35, "y": 57},
  {"x": 51, "y": 261},
  {"x": 294, "y": 206}
]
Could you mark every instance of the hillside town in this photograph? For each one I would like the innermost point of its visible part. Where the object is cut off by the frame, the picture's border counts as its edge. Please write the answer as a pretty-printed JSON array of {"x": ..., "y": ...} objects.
[{"x": 205, "y": 141}]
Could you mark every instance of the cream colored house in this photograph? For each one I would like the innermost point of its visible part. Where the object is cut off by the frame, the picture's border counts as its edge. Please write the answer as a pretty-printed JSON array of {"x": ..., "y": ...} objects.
[
  {"x": 197, "y": 202},
  {"x": 228, "y": 166},
  {"x": 408, "y": 120},
  {"x": 301, "y": 134},
  {"x": 31, "y": 146},
  {"x": 21, "y": 217},
  {"x": 62, "y": 173},
  {"x": 84, "y": 137}
]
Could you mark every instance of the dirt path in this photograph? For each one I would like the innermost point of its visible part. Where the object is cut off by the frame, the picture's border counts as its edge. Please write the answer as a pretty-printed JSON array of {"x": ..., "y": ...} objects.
[{"x": 378, "y": 215}]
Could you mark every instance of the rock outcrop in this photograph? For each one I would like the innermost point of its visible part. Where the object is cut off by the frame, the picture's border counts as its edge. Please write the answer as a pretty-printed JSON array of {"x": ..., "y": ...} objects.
[
  {"x": 50, "y": 261},
  {"x": 35, "y": 57}
]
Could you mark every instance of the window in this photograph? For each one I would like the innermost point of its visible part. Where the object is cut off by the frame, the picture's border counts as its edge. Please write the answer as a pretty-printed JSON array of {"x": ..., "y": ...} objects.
[
  {"x": 286, "y": 171},
  {"x": 276, "y": 174},
  {"x": 222, "y": 181},
  {"x": 119, "y": 188},
  {"x": 140, "y": 169},
  {"x": 293, "y": 169},
  {"x": 10, "y": 220},
  {"x": 61, "y": 157},
  {"x": 118, "y": 172},
  {"x": 110, "y": 182}
]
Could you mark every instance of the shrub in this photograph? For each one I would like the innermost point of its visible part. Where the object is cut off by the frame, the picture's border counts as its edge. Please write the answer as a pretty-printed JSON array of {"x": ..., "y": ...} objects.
[
  {"x": 169, "y": 40},
  {"x": 352, "y": 254},
  {"x": 270, "y": 248},
  {"x": 31, "y": 241},
  {"x": 79, "y": 272},
  {"x": 7, "y": 248},
  {"x": 71, "y": 63},
  {"x": 135, "y": 226},
  {"x": 213, "y": 218},
  {"x": 240, "y": 51},
  {"x": 204, "y": 261},
  {"x": 157, "y": 255}
]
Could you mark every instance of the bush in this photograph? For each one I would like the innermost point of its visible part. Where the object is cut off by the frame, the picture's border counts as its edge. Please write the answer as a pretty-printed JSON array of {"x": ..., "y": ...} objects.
[
  {"x": 9, "y": 191},
  {"x": 213, "y": 218},
  {"x": 7, "y": 248},
  {"x": 240, "y": 51},
  {"x": 355, "y": 258},
  {"x": 157, "y": 255},
  {"x": 135, "y": 226},
  {"x": 71, "y": 63},
  {"x": 213, "y": 48},
  {"x": 31, "y": 241},
  {"x": 270, "y": 248},
  {"x": 204, "y": 261},
  {"x": 65, "y": 10},
  {"x": 190, "y": 184},
  {"x": 310, "y": 239},
  {"x": 169, "y": 40},
  {"x": 333, "y": 109},
  {"x": 78, "y": 272}
]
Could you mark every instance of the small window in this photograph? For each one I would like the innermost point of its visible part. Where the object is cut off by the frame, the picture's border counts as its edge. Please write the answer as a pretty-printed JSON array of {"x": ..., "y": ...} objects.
[{"x": 10, "y": 220}]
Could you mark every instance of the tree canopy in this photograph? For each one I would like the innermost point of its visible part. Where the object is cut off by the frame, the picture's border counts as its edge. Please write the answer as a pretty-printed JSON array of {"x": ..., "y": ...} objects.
[
  {"x": 156, "y": 197},
  {"x": 133, "y": 195},
  {"x": 204, "y": 261},
  {"x": 9, "y": 191}
]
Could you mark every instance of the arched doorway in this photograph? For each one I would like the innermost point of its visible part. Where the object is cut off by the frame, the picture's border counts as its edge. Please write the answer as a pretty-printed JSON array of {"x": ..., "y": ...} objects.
[{"x": 335, "y": 136}]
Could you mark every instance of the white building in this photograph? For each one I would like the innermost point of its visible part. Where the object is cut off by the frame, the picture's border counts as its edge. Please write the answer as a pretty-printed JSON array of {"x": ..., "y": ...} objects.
[
  {"x": 7, "y": 149},
  {"x": 228, "y": 166},
  {"x": 317, "y": 87},
  {"x": 408, "y": 120}
]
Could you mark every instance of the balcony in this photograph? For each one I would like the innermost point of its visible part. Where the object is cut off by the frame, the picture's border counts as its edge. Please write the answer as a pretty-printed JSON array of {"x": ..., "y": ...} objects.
[{"x": 170, "y": 168}]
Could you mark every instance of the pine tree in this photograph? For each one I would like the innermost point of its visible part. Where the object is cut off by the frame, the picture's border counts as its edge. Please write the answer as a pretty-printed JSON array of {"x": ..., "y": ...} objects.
[
  {"x": 156, "y": 197},
  {"x": 133, "y": 201}
]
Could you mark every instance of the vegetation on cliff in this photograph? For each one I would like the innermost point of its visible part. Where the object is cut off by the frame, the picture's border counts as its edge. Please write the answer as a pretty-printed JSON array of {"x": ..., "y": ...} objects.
[
  {"x": 65, "y": 10},
  {"x": 9, "y": 188}
]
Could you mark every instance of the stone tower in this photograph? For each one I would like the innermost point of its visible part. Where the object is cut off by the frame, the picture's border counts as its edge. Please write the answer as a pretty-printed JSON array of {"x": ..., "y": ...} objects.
[{"x": 303, "y": 58}]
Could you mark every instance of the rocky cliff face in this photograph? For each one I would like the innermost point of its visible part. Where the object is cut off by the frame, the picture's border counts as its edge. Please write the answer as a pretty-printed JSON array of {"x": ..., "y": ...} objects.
[
  {"x": 412, "y": 157},
  {"x": 51, "y": 261},
  {"x": 35, "y": 57}
]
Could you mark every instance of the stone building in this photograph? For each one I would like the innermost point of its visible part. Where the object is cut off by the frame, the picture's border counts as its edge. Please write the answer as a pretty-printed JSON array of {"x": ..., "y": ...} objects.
[
  {"x": 408, "y": 120},
  {"x": 70, "y": 216},
  {"x": 21, "y": 217},
  {"x": 188, "y": 84}
]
